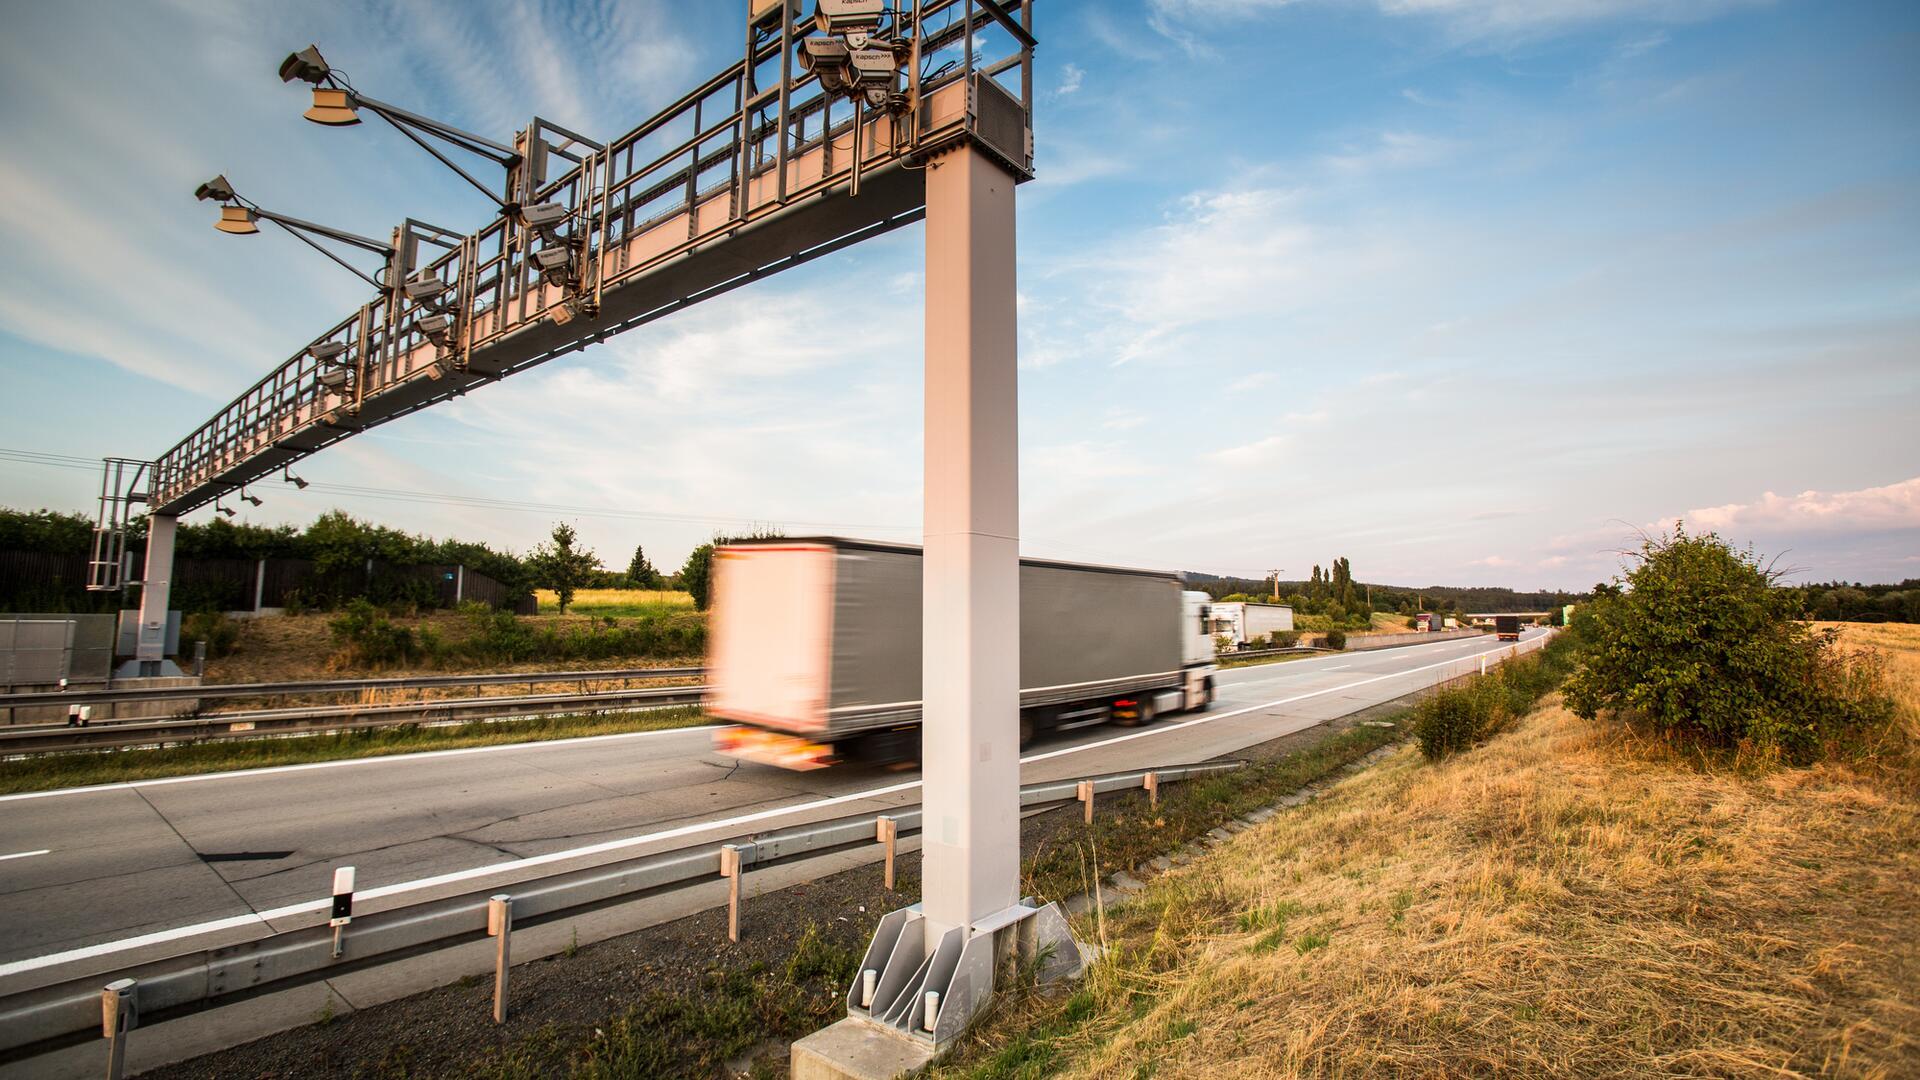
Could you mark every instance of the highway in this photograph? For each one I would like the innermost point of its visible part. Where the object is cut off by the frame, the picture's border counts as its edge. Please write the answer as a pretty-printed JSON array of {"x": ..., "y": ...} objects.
[{"x": 97, "y": 878}]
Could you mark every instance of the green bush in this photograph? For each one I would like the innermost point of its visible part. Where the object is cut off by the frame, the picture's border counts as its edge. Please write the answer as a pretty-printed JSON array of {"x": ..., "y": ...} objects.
[
  {"x": 220, "y": 631},
  {"x": 369, "y": 638},
  {"x": 1336, "y": 639},
  {"x": 1699, "y": 643},
  {"x": 1285, "y": 639},
  {"x": 1459, "y": 717}
]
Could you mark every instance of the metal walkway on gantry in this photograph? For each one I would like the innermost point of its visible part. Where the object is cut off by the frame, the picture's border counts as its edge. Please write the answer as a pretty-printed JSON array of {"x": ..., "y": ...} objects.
[{"x": 756, "y": 170}]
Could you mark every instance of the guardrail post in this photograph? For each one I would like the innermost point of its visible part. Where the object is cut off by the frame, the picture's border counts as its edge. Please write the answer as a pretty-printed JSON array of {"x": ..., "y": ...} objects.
[
  {"x": 1151, "y": 782},
  {"x": 887, "y": 831},
  {"x": 1084, "y": 792},
  {"x": 500, "y": 926},
  {"x": 342, "y": 907},
  {"x": 730, "y": 869},
  {"x": 119, "y": 1013},
  {"x": 1483, "y": 663}
]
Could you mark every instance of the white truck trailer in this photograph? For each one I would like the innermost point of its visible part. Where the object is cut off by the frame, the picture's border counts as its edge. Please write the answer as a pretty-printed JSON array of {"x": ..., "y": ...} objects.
[
  {"x": 1244, "y": 622},
  {"x": 815, "y": 649}
]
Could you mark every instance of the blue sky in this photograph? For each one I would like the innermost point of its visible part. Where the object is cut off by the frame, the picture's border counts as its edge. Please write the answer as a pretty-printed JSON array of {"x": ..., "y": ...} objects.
[{"x": 1465, "y": 290}]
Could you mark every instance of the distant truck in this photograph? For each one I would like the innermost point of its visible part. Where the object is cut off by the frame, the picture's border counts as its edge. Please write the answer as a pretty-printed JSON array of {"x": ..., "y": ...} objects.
[
  {"x": 814, "y": 651},
  {"x": 1424, "y": 622},
  {"x": 1242, "y": 622},
  {"x": 1506, "y": 627}
]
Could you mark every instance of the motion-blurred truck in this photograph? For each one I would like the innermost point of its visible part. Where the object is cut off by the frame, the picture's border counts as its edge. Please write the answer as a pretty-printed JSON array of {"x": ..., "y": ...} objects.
[
  {"x": 814, "y": 653},
  {"x": 1242, "y": 622},
  {"x": 1506, "y": 627}
]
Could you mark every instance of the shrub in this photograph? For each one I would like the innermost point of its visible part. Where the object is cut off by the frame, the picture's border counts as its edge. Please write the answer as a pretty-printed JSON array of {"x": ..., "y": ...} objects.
[
  {"x": 220, "y": 631},
  {"x": 1285, "y": 639},
  {"x": 1701, "y": 645},
  {"x": 1336, "y": 639},
  {"x": 1459, "y": 717},
  {"x": 370, "y": 639}
]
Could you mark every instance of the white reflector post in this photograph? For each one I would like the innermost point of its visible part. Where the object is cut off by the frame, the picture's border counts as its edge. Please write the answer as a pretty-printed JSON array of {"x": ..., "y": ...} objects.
[{"x": 342, "y": 896}]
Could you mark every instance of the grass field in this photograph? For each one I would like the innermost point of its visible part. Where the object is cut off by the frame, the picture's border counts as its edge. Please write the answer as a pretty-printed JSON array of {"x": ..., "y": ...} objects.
[
  {"x": 617, "y": 603},
  {"x": 112, "y": 767},
  {"x": 1565, "y": 900}
]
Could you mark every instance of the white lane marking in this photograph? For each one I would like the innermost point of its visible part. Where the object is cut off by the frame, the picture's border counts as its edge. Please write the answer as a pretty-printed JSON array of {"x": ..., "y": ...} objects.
[
  {"x": 25, "y": 854},
  {"x": 177, "y": 933},
  {"x": 161, "y": 936},
  {"x": 385, "y": 759},
  {"x": 1338, "y": 667}
]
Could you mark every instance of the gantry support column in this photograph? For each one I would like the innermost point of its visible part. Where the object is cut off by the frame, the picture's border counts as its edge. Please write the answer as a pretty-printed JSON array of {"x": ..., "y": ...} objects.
[
  {"x": 970, "y": 737},
  {"x": 150, "y": 649}
]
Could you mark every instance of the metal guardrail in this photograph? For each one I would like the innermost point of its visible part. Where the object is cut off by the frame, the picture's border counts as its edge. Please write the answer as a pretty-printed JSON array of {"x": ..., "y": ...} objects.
[
  {"x": 321, "y": 719},
  {"x": 206, "y": 691},
  {"x": 44, "y": 1019}
]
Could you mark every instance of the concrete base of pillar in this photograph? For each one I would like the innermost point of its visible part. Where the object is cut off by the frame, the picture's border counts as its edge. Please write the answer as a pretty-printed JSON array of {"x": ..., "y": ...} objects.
[
  {"x": 148, "y": 669},
  {"x": 855, "y": 1049}
]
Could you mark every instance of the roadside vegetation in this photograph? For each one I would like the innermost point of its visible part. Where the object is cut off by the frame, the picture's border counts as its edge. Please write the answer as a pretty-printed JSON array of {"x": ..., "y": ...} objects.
[
  {"x": 1664, "y": 882},
  {"x": 45, "y": 773},
  {"x": 369, "y": 638}
]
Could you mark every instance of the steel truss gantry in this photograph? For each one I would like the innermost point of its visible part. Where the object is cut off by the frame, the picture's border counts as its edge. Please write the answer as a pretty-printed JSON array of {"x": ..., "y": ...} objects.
[{"x": 749, "y": 174}]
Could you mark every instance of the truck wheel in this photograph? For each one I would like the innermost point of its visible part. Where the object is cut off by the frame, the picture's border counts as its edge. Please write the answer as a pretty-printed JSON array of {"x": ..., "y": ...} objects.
[
  {"x": 1148, "y": 712},
  {"x": 1026, "y": 729}
]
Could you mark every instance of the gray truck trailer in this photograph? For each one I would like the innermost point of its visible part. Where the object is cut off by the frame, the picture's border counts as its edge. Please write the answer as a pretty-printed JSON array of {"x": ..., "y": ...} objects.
[{"x": 814, "y": 649}]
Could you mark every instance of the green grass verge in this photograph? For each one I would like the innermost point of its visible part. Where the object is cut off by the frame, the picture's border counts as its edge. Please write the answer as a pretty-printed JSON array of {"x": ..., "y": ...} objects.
[
  {"x": 52, "y": 771},
  {"x": 666, "y": 1034}
]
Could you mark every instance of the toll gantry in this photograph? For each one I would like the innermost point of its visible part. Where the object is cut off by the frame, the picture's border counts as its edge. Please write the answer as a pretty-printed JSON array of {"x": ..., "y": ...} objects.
[{"x": 808, "y": 144}]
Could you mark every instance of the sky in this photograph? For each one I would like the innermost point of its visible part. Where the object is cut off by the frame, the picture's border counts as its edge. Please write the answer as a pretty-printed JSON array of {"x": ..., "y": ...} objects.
[{"x": 1471, "y": 292}]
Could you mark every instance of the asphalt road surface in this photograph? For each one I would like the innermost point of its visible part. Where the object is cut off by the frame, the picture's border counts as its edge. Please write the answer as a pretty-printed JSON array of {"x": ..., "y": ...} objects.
[{"x": 102, "y": 877}]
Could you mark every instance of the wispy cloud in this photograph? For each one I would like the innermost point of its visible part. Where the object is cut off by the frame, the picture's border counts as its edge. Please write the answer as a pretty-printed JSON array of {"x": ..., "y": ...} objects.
[{"x": 1389, "y": 150}]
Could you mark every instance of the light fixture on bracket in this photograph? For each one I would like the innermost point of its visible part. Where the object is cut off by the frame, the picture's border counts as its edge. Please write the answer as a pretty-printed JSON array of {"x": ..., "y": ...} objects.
[
  {"x": 254, "y": 499},
  {"x": 223, "y": 508},
  {"x": 238, "y": 217},
  {"x": 336, "y": 103},
  {"x": 286, "y": 476},
  {"x": 327, "y": 352}
]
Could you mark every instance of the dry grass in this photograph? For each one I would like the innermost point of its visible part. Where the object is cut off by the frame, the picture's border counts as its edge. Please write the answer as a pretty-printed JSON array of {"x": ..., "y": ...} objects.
[{"x": 1562, "y": 901}]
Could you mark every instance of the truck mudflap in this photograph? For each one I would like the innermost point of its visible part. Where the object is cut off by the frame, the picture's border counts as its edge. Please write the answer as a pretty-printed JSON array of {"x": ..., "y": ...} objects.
[{"x": 774, "y": 748}]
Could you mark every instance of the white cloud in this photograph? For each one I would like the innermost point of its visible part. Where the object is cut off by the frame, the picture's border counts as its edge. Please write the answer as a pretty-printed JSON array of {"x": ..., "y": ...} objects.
[
  {"x": 1071, "y": 77},
  {"x": 1893, "y": 507}
]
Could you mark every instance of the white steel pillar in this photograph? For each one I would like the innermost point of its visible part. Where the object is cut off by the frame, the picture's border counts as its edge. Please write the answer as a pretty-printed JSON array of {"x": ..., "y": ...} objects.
[
  {"x": 150, "y": 651},
  {"x": 970, "y": 737}
]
